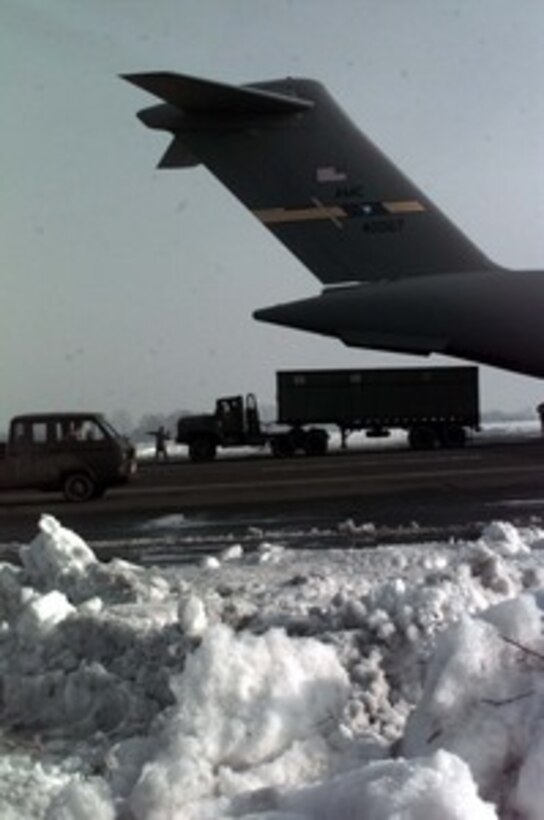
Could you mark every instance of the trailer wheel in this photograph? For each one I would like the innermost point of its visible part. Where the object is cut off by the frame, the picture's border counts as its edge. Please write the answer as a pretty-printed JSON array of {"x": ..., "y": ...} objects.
[
  {"x": 79, "y": 487},
  {"x": 422, "y": 437},
  {"x": 315, "y": 443},
  {"x": 202, "y": 448},
  {"x": 454, "y": 435}
]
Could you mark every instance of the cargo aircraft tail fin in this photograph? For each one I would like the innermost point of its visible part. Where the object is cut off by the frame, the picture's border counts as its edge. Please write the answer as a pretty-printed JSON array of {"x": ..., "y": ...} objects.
[{"x": 296, "y": 161}]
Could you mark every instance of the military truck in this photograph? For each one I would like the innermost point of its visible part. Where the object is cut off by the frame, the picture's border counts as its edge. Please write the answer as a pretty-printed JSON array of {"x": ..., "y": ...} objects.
[
  {"x": 236, "y": 423},
  {"x": 434, "y": 405},
  {"x": 80, "y": 454}
]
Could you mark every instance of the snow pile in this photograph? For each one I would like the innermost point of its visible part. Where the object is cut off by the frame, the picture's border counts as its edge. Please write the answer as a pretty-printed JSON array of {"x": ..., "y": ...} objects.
[
  {"x": 66, "y": 659},
  {"x": 484, "y": 701},
  {"x": 192, "y": 616},
  {"x": 398, "y": 681},
  {"x": 80, "y": 800},
  {"x": 59, "y": 559},
  {"x": 28, "y": 787},
  {"x": 233, "y": 717},
  {"x": 440, "y": 786}
]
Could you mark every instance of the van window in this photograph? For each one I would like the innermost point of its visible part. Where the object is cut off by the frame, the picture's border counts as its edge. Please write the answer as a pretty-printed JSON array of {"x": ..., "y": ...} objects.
[
  {"x": 19, "y": 432},
  {"x": 39, "y": 432},
  {"x": 91, "y": 431},
  {"x": 78, "y": 430}
]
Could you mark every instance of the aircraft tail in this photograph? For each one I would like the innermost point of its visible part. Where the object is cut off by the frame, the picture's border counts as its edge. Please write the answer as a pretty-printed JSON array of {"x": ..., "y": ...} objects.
[{"x": 291, "y": 155}]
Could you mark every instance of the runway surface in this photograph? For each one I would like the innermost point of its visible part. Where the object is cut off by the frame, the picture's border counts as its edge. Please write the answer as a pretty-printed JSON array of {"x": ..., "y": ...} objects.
[{"x": 353, "y": 498}]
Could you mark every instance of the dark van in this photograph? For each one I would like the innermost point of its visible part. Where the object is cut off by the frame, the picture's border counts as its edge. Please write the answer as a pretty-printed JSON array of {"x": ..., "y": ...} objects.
[{"x": 80, "y": 454}]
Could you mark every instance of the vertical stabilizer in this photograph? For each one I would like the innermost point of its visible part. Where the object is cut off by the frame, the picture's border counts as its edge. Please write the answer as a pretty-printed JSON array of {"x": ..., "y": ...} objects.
[{"x": 297, "y": 162}]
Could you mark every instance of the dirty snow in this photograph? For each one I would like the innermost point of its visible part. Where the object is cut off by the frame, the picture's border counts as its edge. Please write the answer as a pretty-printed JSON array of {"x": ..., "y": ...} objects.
[{"x": 403, "y": 681}]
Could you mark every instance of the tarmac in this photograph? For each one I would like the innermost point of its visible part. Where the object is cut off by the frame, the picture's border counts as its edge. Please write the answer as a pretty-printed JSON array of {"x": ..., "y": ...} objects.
[{"x": 440, "y": 493}]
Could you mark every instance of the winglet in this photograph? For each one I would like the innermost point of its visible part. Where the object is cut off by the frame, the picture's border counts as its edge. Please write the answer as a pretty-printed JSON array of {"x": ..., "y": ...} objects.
[{"x": 206, "y": 96}]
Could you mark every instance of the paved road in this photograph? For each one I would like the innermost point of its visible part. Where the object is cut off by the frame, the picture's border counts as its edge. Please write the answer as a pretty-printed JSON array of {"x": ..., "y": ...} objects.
[{"x": 444, "y": 491}]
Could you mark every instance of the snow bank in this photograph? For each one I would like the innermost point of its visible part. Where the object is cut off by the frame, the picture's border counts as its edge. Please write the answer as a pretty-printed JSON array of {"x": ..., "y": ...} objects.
[
  {"x": 80, "y": 800},
  {"x": 58, "y": 559},
  {"x": 69, "y": 662},
  {"x": 242, "y": 701},
  {"x": 484, "y": 701},
  {"x": 440, "y": 786},
  {"x": 398, "y": 681}
]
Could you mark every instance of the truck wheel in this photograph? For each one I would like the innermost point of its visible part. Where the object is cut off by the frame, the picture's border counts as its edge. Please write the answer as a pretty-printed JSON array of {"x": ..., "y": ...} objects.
[
  {"x": 202, "y": 449},
  {"x": 79, "y": 487},
  {"x": 282, "y": 446},
  {"x": 316, "y": 443},
  {"x": 453, "y": 436},
  {"x": 422, "y": 437}
]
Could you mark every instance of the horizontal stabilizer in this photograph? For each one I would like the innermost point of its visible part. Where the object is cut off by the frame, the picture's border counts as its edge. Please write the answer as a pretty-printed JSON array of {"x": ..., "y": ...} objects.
[{"x": 206, "y": 96}]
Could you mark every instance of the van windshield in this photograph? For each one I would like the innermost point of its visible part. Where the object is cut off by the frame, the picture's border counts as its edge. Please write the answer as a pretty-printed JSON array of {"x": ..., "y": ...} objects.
[{"x": 109, "y": 428}]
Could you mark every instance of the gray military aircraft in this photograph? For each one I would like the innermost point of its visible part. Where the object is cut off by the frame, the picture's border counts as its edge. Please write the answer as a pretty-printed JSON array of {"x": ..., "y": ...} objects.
[{"x": 397, "y": 274}]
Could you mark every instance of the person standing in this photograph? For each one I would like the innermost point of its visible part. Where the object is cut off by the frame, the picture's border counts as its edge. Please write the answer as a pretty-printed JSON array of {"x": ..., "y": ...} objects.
[{"x": 161, "y": 436}]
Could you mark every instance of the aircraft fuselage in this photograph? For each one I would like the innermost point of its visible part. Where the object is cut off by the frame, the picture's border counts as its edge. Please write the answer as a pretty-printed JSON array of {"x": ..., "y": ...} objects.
[{"x": 492, "y": 317}]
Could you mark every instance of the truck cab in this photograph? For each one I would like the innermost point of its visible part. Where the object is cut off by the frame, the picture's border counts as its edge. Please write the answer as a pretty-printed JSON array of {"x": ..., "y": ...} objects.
[
  {"x": 235, "y": 423},
  {"x": 80, "y": 454}
]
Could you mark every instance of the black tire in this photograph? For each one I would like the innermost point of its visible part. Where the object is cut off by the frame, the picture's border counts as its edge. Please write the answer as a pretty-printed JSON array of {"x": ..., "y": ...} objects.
[
  {"x": 422, "y": 437},
  {"x": 202, "y": 449},
  {"x": 282, "y": 446},
  {"x": 79, "y": 487},
  {"x": 454, "y": 435},
  {"x": 316, "y": 443}
]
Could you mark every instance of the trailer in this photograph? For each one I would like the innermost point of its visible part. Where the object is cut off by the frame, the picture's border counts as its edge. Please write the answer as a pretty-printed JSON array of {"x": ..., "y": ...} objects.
[{"x": 436, "y": 406}]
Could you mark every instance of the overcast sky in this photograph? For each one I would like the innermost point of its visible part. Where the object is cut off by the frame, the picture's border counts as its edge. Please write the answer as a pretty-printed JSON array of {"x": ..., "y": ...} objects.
[{"x": 128, "y": 287}]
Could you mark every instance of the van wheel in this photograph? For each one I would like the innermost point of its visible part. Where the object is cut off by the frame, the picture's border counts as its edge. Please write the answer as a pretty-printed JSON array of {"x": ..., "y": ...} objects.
[{"x": 79, "y": 487}]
